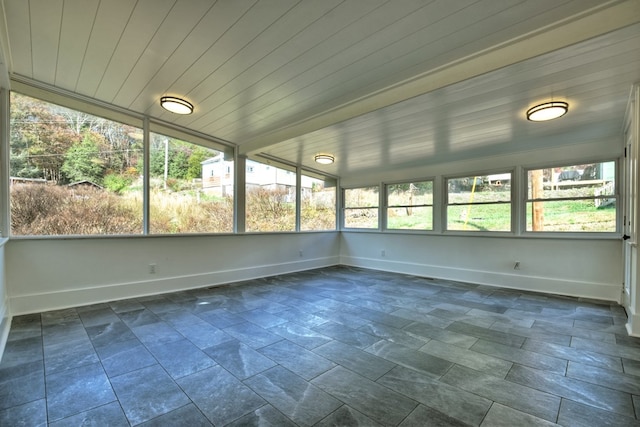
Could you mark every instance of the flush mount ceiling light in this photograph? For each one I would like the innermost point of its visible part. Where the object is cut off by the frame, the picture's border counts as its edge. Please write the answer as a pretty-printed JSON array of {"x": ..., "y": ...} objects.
[
  {"x": 547, "y": 111},
  {"x": 176, "y": 105},
  {"x": 324, "y": 159}
]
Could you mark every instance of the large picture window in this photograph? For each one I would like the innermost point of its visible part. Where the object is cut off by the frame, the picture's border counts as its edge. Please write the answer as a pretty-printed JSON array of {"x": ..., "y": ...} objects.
[
  {"x": 577, "y": 198},
  {"x": 318, "y": 202},
  {"x": 410, "y": 206},
  {"x": 361, "y": 207},
  {"x": 479, "y": 203},
  {"x": 72, "y": 173},
  {"x": 190, "y": 187},
  {"x": 271, "y": 197}
]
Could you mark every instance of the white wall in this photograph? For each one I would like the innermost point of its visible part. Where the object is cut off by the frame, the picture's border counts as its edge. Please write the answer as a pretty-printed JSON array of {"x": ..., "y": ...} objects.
[
  {"x": 585, "y": 268},
  {"x": 5, "y": 312},
  {"x": 47, "y": 274}
]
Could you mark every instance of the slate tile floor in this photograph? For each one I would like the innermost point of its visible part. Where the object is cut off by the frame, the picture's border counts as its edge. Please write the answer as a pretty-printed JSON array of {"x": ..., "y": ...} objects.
[{"x": 336, "y": 346}]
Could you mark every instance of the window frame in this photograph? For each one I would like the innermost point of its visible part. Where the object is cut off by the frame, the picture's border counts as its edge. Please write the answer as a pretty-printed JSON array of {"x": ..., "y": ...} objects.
[
  {"x": 384, "y": 210},
  {"x": 344, "y": 208},
  {"x": 513, "y": 205},
  {"x": 571, "y": 234}
]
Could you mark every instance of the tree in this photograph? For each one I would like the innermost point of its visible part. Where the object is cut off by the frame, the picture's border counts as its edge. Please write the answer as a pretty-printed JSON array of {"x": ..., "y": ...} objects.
[
  {"x": 83, "y": 162},
  {"x": 198, "y": 155}
]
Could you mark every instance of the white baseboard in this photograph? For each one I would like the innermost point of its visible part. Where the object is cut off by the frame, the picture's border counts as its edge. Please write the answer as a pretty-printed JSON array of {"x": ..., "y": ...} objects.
[
  {"x": 520, "y": 281},
  {"x": 5, "y": 326},
  {"x": 36, "y": 303},
  {"x": 633, "y": 322}
]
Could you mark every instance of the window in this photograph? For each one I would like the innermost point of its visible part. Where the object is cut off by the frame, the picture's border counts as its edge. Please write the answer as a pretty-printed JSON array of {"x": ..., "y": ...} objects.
[
  {"x": 410, "y": 206},
  {"x": 271, "y": 198},
  {"x": 578, "y": 198},
  {"x": 318, "y": 204},
  {"x": 190, "y": 187},
  {"x": 479, "y": 203},
  {"x": 72, "y": 173},
  {"x": 361, "y": 207}
]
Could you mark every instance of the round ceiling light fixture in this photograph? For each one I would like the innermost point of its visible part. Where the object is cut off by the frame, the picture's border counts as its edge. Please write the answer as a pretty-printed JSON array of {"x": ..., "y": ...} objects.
[
  {"x": 176, "y": 105},
  {"x": 547, "y": 111},
  {"x": 324, "y": 159}
]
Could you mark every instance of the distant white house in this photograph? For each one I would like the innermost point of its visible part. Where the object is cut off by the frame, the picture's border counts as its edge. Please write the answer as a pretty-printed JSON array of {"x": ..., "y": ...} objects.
[{"x": 217, "y": 177}]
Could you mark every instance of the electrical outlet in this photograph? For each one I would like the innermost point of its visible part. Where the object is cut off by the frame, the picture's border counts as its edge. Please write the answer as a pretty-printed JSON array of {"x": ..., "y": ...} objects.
[
  {"x": 383, "y": 252},
  {"x": 152, "y": 269},
  {"x": 516, "y": 266},
  {"x": 300, "y": 254}
]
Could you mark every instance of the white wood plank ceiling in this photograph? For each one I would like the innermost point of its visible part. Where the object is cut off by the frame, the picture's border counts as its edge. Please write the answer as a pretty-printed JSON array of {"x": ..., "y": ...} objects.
[{"x": 379, "y": 84}]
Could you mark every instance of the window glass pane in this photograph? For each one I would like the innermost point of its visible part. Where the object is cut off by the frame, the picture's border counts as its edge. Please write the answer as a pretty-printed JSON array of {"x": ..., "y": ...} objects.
[
  {"x": 592, "y": 188},
  {"x": 471, "y": 217},
  {"x": 271, "y": 198},
  {"x": 72, "y": 173},
  {"x": 572, "y": 215},
  {"x": 410, "y": 218},
  {"x": 586, "y": 180},
  {"x": 361, "y": 207},
  {"x": 318, "y": 210},
  {"x": 478, "y": 189},
  {"x": 190, "y": 187},
  {"x": 479, "y": 203},
  {"x": 410, "y": 194},
  {"x": 409, "y": 206}
]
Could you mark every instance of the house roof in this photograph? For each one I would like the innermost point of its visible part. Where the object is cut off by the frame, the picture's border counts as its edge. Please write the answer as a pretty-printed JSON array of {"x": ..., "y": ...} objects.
[{"x": 379, "y": 84}]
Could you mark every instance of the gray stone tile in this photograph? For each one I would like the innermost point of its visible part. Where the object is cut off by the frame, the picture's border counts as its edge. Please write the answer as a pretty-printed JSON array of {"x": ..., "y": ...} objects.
[
  {"x": 470, "y": 359},
  {"x": 99, "y": 316},
  {"x": 203, "y": 334},
  {"x": 525, "y": 399},
  {"x": 410, "y": 358},
  {"x": 504, "y": 416},
  {"x": 77, "y": 390},
  {"x": 302, "y": 318},
  {"x": 586, "y": 357},
  {"x": 19, "y": 352},
  {"x": 574, "y": 389},
  {"x": 342, "y": 317},
  {"x": 125, "y": 356},
  {"x": 264, "y": 416},
  {"x": 138, "y": 318},
  {"x": 188, "y": 415},
  {"x": 220, "y": 318},
  {"x": 147, "y": 393},
  {"x": 347, "y": 335},
  {"x": 109, "y": 333},
  {"x": 61, "y": 333},
  {"x": 428, "y": 331},
  {"x": 483, "y": 321},
  {"x": 347, "y": 416},
  {"x": 424, "y": 416},
  {"x": 534, "y": 333},
  {"x": 522, "y": 357},
  {"x": 22, "y": 389},
  {"x": 301, "y": 401},
  {"x": 219, "y": 395},
  {"x": 604, "y": 377},
  {"x": 465, "y": 407},
  {"x": 297, "y": 359},
  {"x": 108, "y": 415},
  {"x": 262, "y": 318},
  {"x": 124, "y": 306},
  {"x": 631, "y": 367},
  {"x": 155, "y": 333},
  {"x": 68, "y": 355},
  {"x": 552, "y": 327},
  {"x": 31, "y": 414},
  {"x": 573, "y": 414},
  {"x": 377, "y": 402},
  {"x": 180, "y": 358},
  {"x": 395, "y": 335},
  {"x": 487, "y": 334},
  {"x": 239, "y": 359},
  {"x": 252, "y": 335},
  {"x": 356, "y": 360},
  {"x": 636, "y": 405},
  {"x": 425, "y": 318},
  {"x": 300, "y": 335}
]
